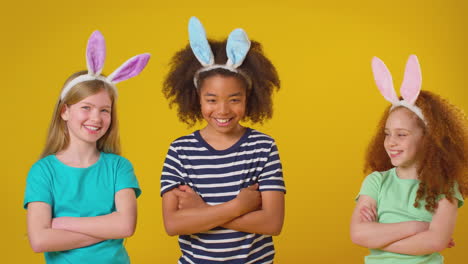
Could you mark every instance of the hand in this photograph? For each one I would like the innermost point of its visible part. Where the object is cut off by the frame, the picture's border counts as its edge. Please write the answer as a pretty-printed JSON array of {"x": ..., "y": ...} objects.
[
  {"x": 451, "y": 244},
  {"x": 249, "y": 199},
  {"x": 368, "y": 214},
  {"x": 188, "y": 198}
]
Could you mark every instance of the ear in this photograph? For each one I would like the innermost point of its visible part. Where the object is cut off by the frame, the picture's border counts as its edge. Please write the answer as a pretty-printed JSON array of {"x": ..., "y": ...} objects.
[
  {"x": 65, "y": 113},
  {"x": 384, "y": 80},
  {"x": 412, "y": 80},
  {"x": 237, "y": 47},
  {"x": 95, "y": 53},
  {"x": 198, "y": 42},
  {"x": 130, "y": 68}
]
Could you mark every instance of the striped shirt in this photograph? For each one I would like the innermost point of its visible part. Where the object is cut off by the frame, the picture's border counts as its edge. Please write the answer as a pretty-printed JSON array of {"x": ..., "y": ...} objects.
[{"x": 218, "y": 176}]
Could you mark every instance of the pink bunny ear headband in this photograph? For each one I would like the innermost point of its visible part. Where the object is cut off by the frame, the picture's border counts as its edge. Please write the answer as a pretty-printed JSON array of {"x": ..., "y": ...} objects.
[
  {"x": 410, "y": 87},
  {"x": 95, "y": 57}
]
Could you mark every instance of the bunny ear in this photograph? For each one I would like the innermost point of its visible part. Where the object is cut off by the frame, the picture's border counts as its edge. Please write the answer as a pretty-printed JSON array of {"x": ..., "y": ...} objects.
[
  {"x": 95, "y": 53},
  {"x": 384, "y": 81},
  {"x": 237, "y": 47},
  {"x": 412, "y": 81},
  {"x": 130, "y": 68},
  {"x": 198, "y": 42}
]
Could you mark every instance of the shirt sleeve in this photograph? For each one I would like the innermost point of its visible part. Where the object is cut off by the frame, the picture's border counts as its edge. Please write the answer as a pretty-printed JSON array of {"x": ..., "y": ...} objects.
[
  {"x": 456, "y": 194},
  {"x": 371, "y": 186},
  {"x": 271, "y": 178},
  {"x": 126, "y": 177},
  {"x": 173, "y": 172},
  {"x": 38, "y": 186}
]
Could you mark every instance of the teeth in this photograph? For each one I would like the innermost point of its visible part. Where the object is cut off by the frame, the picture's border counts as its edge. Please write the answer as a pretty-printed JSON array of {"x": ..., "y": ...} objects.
[
  {"x": 92, "y": 128},
  {"x": 222, "y": 120},
  {"x": 395, "y": 152}
]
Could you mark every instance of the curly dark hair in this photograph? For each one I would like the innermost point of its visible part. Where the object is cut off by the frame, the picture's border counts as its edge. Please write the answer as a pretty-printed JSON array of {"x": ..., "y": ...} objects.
[
  {"x": 445, "y": 148},
  {"x": 180, "y": 90}
]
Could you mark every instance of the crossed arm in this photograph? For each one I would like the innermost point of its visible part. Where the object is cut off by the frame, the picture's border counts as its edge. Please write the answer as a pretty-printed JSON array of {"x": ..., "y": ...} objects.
[
  {"x": 184, "y": 212},
  {"x": 411, "y": 237},
  {"x": 64, "y": 233}
]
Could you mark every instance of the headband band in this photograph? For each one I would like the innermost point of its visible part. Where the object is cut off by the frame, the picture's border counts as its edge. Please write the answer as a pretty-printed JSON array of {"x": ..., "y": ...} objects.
[{"x": 95, "y": 57}]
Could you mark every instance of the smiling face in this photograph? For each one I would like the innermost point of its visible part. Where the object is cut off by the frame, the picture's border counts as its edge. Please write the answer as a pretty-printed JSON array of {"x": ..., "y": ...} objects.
[
  {"x": 223, "y": 103},
  {"x": 89, "y": 119},
  {"x": 403, "y": 137}
]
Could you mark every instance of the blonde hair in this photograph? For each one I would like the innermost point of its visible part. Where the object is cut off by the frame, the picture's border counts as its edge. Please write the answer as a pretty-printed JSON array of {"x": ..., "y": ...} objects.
[{"x": 58, "y": 138}]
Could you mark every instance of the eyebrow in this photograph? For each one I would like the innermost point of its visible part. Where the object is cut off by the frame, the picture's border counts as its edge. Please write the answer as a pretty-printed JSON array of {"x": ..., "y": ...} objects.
[
  {"x": 231, "y": 95},
  {"x": 407, "y": 130},
  {"x": 88, "y": 103}
]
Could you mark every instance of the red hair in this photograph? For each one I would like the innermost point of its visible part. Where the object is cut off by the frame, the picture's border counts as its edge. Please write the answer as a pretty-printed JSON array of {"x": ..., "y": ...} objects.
[{"x": 444, "y": 146}]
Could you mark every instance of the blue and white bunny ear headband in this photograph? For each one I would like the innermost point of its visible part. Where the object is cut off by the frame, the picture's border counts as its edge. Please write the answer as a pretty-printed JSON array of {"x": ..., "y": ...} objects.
[
  {"x": 95, "y": 57},
  {"x": 237, "y": 47},
  {"x": 410, "y": 87}
]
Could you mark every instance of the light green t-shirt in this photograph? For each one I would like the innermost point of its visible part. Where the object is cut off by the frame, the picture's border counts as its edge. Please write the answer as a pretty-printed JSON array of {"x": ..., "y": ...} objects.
[
  {"x": 82, "y": 192},
  {"x": 395, "y": 198}
]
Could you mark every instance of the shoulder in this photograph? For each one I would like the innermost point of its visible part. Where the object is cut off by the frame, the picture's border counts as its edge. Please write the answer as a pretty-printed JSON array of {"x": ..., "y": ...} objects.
[
  {"x": 185, "y": 140},
  {"x": 44, "y": 164},
  {"x": 257, "y": 137},
  {"x": 116, "y": 160}
]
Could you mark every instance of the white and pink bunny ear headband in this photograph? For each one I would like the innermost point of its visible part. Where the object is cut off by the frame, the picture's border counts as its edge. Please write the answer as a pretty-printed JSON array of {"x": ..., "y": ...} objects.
[
  {"x": 95, "y": 57},
  {"x": 237, "y": 47},
  {"x": 410, "y": 87}
]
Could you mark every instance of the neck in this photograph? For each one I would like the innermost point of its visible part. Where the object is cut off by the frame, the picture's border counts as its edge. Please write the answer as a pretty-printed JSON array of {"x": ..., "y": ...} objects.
[
  {"x": 79, "y": 155},
  {"x": 222, "y": 141},
  {"x": 407, "y": 172},
  {"x": 234, "y": 134}
]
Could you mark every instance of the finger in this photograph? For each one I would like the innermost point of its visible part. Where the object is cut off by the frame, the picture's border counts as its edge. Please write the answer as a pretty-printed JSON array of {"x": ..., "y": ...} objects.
[
  {"x": 365, "y": 214},
  {"x": 186, "y": 188},
  {"x": 178, "y": 193},
  {"x": 370, "y": 214}
]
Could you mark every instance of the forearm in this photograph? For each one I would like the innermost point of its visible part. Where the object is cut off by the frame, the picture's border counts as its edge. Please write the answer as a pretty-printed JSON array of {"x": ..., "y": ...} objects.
[
  {"x": 378, "y": 235},
  {"x": 258, "y": 222},
  {"x": 111, "y": 226},
  {"x": 423, "y": 243},
  {"x": 196, "y": 220},
  {"x": 49, "y": 239}
]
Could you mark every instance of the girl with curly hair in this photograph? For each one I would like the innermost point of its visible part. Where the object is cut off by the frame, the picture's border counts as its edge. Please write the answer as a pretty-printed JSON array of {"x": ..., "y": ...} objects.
[
  {"x": 222, "y": 186},
  {"x": 407, "y": 206}
]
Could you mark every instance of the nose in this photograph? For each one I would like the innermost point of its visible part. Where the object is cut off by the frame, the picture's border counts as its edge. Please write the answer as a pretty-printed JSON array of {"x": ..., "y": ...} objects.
[
  {"x": 223, "y": 108},
  {"x": 391, "y": 140},
  {"x": 95, "y": 115}
]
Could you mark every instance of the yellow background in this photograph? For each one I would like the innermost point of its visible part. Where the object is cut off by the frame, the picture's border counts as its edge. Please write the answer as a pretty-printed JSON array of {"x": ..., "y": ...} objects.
[{"x": 325, "y": 113}]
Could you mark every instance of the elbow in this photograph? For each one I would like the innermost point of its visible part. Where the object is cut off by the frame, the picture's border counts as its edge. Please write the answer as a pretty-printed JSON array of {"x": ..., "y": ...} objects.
[
  {"x": 438, "y": 245},
  {"x": 128, "y": 229},
  {"x": 359, "y": 239},
  {"x": 171, "y": 229},
  {"x": 275, "y": 229},
  {"x": 37, "y": 245}
]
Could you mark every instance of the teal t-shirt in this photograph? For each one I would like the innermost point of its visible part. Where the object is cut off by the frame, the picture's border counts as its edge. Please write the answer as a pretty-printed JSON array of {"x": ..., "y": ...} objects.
[
  {"x": 82, "y": 192},
  {"x": 395, "y": 198}
]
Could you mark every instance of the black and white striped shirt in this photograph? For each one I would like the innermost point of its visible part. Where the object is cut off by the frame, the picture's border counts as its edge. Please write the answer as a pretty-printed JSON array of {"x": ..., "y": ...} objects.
[{"x": 218, "y": 176}]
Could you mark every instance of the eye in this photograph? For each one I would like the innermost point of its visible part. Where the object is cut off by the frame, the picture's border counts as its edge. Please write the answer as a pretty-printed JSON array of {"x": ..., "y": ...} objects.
[
  {"x": 105, "y": 111},
  {"x": 211, "y": 100},
  {"x": 235, "y": 100},
  {"x": 402, "y": 135},
  {"x": 85, "y": 107}
]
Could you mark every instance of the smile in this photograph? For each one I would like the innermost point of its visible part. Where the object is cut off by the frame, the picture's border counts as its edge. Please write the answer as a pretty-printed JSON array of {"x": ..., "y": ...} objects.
[
  {"x": 223, "y": 121},
  {"x": 92, "y": 129},
  {"x": 394, "y": 153}
]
